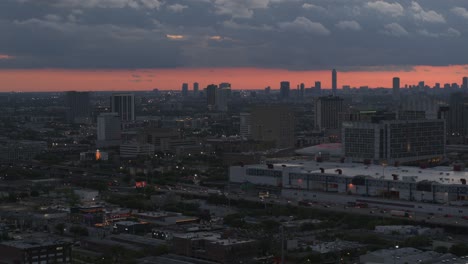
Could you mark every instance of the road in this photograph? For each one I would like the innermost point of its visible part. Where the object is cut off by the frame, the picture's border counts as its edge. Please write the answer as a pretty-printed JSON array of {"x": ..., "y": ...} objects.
[{"x": 435, "y": 219}]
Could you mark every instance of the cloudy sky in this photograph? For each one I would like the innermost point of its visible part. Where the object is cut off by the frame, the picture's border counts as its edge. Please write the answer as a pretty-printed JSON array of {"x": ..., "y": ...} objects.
[{"x": 144, "y": 44}]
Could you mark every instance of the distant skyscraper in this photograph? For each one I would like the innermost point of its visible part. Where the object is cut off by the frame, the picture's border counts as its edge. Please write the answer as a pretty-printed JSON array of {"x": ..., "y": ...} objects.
[
  {"x": 465, "y": 83},
  {"x": 225, "y": 85},
  {"x": 108, "y": 129},
  {"x": 328, "y": 111},
  {"x": 221, "y": 99},
  {"x": 334, "y": 81},
  {"x": 318, "y": 85},
  {"x": 245, "y": 125},
  {"x": 184, "y": 89},
  {"x": 124, "y": 106},
  {"x": 267, "y": 90},
  {"x": 195, "y": 88},
  {"x": 273, "y": 123},
  {"x": 396, "y": 87},
  {"x": 284, "y": 90},
  {"x": 302, "y": 91},
  {"x": 211, "y": 94},
  {"x": 78, "y": 106}
]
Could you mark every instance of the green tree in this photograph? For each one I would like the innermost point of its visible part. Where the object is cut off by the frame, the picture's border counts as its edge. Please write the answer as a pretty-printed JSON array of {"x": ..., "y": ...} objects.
[
  {"x": 460, "y": 249},
  {"x": 441, "y": 249}
]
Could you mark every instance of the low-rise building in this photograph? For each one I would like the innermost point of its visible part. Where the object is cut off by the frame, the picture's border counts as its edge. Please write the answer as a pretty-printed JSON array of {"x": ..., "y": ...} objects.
[
  {"x": 35, "y": 251},
  {"x": 214, "y": 247}
]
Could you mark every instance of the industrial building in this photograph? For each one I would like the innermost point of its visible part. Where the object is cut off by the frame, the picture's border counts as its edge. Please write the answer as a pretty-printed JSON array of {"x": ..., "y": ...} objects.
[{"x": 297, "y": 178}]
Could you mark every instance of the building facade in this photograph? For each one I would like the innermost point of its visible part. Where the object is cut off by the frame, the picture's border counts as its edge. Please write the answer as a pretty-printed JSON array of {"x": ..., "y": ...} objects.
[
  {"x": 273, "y": 123},
  {"x": 109, "y": 129},
  {"x": 394, "y": 141},
  {"x": 78, "y": 107},
  {"x": 328, "y": 111},
  {"x": 124, "y": 105}
]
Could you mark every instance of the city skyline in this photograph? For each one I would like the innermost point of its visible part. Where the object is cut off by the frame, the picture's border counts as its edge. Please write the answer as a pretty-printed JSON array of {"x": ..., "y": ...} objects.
[
  {"x": 37, "y": 80},
  {"x": 185, "y": 40}
]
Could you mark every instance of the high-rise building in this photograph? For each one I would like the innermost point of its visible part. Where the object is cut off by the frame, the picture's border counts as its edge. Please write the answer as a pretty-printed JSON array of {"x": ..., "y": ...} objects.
[
  {"x": 124, "y": 106},
  {"x": 211, "y": 95},
  {"x": 334, "y": 81},
  {"x": 394, "y": 140},
  {"x": 224, "y": 85},
  {"x": 396, "y": 88},
  {"x": 108, "y": 129},
  {"x": 284, "y": 90},
  {"x": 221, "y": 98},
  {"x": 273, "y": 123},
  {"x": 185, "y": 89},
  {"x": 195, "y": 88},
  {"x": 465, "y": 83},
  {"x": 457, "y": 123},
  {"x": 302, "y": 90},
  {"x": 328, "y": 112},
  {"x": 245, "y": 125},
  {"x": 78, "y": 107},
  {"x": 318, "y": 85}
]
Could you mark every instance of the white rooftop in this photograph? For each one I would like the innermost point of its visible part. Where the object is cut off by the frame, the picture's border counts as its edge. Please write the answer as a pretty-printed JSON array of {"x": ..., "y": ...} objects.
[{"x": 442, "y": 175}]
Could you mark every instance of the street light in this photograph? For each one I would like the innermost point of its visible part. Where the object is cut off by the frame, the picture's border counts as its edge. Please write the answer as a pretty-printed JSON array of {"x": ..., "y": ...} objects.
[{"x": 394, "y": 254}]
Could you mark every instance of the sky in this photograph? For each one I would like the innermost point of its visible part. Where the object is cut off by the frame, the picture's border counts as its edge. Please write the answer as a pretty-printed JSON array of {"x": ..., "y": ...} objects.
[{"x": 55, "y": 45}]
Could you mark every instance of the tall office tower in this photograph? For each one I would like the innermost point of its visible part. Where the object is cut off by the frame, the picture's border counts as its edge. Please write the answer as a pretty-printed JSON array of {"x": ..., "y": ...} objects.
[
  {"x": 394, "y": 140},
  {"x": 108, "y": 130},
  {"x": 334, "y": 81},
  {"x": 211, "y": 95},
  {"x": 245, "y": 125},
  {"x": 185, "y": 89},
  {"x": 78, "y": 107},
  {"x": 465, "y": 83},
  {"x": 457, "y": 124},
  {"x": 124, "y": 106},
  {"x": 196, "y": 87},
  {"x": 302, "y": 90},
  {"x": 221, "y": 98},
  {"x": 284, "y": 90},
  {"x": 328, "y": 111},
  {"x": 273, "y": 123},
  {"x": 396, "y": 88},
  {"x": 267, "y": 90},
  {"x": 420, "y": 105},
  {"x": 318, "y": 85},
  {"x": 421, "y": 85},
  {"x": 437, "y": 86},
  {"x": 225, "y": 85}
]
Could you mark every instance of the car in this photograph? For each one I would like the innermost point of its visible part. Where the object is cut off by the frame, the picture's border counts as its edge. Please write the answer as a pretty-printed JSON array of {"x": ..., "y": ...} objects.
[
  {"x": 447, "y": 215},
  {"x": 465, "y": 217}
]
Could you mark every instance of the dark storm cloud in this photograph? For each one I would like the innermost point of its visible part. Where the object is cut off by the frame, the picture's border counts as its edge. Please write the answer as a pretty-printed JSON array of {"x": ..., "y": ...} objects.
[{"x": 291, "y": 34}]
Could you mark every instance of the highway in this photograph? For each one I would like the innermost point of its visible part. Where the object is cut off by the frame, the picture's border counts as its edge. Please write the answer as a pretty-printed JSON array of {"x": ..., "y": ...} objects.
[{"x": 381, "y": 211}]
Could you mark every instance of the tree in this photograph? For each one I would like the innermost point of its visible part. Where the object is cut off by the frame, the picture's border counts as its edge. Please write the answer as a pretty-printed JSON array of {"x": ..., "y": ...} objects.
[
  {"x": 460, "y": 249},
  {"x": 441, "y": 249}
]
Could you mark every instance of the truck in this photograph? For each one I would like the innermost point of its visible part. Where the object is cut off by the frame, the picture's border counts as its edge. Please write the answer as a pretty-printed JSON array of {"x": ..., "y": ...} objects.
[{"x": 400, "y": 213}]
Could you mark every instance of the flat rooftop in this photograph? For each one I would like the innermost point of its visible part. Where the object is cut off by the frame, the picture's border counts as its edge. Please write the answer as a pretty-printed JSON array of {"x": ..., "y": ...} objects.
[
  {"x": 440, "y": 174},
  {"x": 212, "y": 237},
  {"x": 28, "y": 244}
]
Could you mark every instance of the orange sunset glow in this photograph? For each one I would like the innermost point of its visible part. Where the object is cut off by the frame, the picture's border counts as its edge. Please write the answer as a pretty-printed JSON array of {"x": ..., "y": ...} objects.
[{"x": 240, "y": 78}]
